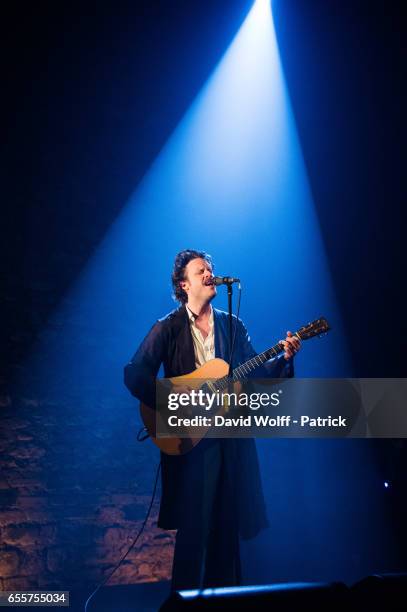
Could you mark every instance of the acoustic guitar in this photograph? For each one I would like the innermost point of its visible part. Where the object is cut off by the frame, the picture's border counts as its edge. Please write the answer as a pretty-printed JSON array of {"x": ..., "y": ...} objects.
[{"x": 214, "y": 376}]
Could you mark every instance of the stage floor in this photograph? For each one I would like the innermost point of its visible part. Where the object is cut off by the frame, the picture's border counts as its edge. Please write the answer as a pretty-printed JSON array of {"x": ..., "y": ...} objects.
[{"x": 146, "y": 597}]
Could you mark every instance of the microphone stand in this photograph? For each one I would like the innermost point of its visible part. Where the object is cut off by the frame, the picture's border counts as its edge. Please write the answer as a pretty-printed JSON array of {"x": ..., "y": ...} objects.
[
  {"x": 230, "y": 291},
  {"x": 228, "y": 281}
]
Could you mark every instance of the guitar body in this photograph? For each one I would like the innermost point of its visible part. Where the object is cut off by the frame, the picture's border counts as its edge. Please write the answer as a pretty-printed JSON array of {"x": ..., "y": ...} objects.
[{"x": 213, "y": 369}]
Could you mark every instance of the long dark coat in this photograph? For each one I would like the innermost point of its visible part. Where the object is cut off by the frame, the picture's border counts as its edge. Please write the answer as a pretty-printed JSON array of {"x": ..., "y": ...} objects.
[{"x": 169, "y": 342}]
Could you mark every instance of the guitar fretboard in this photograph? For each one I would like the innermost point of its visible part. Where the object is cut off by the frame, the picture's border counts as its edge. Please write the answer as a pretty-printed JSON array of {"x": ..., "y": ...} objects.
[{"x": 242, "y": 371}]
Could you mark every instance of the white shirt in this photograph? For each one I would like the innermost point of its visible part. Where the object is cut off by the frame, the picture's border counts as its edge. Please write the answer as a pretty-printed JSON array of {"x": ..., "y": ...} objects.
[{"x": 204, "y": 348}]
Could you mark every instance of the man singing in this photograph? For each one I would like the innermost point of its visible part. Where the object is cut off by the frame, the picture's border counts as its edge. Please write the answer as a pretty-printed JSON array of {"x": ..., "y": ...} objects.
[{"x": 212, "y": 495}]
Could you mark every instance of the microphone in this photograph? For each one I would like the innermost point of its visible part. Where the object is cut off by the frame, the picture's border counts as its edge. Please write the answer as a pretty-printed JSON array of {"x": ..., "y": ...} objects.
[{"x": 224, "y": 280}]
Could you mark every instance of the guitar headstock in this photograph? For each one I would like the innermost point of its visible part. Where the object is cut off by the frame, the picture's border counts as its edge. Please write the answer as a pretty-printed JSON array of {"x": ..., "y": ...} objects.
[{"x": 316, "y": 328}]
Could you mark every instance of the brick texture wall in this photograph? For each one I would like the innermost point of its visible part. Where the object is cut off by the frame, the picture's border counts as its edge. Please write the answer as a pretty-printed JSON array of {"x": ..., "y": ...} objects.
[{"x": 75, "y": 487}]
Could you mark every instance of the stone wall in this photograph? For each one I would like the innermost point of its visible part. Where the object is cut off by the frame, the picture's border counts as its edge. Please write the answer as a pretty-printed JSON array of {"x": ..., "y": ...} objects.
[{"x": 75, "y": 487}]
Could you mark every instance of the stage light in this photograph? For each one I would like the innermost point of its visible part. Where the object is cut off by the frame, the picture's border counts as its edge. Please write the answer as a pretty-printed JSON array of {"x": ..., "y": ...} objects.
[{"x": 231, "y": 180}]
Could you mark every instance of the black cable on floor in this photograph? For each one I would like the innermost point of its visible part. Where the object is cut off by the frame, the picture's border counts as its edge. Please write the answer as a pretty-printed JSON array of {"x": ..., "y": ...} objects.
[{"x": 132, "y": 544}]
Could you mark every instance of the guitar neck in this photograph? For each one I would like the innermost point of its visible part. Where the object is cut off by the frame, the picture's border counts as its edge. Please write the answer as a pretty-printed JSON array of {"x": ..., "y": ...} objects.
[
  {"x": 242, "y": 371},
  {"x": 255, "y": 362},
  {"x": 316, "y": 328}
]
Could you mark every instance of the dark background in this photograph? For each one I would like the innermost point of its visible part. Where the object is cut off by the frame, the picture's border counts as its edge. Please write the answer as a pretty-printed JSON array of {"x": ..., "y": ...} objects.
[{"x": 92, "y": 92}]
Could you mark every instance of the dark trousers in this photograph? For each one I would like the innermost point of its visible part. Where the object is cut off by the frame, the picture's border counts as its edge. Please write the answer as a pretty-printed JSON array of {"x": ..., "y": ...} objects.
[{"x": 207, "y": 551}]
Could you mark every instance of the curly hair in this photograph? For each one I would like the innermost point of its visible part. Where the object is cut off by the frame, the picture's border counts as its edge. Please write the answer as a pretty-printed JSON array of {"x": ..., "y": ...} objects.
[{"x": 182, "y": 259}]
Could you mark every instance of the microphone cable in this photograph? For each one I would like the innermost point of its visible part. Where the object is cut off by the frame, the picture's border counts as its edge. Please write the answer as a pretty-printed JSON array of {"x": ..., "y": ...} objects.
[{"x": 132, "y": 544}]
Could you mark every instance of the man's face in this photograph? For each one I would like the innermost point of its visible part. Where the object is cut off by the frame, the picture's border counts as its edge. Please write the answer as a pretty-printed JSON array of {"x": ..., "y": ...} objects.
[{"x": 198, "y": 272}]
